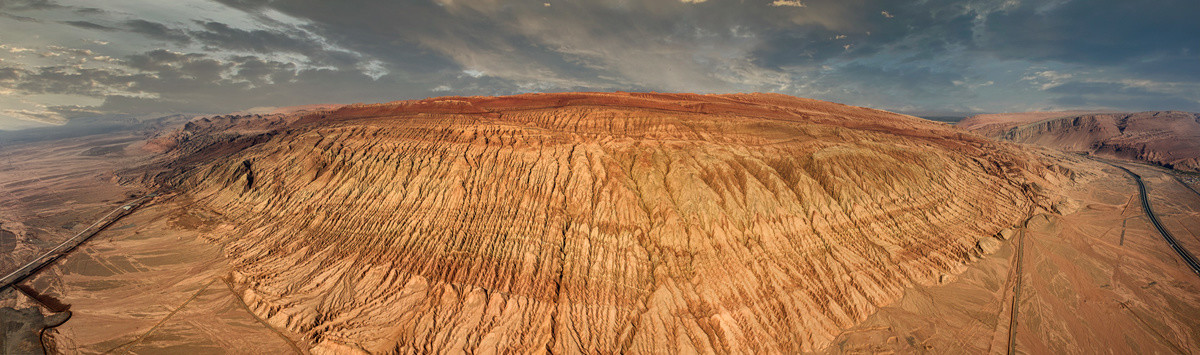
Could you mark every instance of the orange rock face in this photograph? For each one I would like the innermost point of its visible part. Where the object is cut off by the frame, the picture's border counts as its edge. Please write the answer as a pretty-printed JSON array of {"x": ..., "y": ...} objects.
[
  {"x": 991, "y": 125},
  {"x": 1167, "y": 138},
  {"x": 595, "y": 222}
]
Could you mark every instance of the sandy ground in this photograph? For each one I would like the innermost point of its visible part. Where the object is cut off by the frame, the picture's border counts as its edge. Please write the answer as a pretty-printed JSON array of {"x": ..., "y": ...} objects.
[
  {"x": 51, "y": 191},
  {"x": 1094, "y": 281},
  {"x": 1178, "y": 208},
  {"x": 152, "y": 285},
  {"x": 148, "y": 284}
]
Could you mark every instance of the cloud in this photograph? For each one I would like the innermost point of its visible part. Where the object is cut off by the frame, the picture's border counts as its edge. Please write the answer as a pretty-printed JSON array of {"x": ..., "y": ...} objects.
[
  {"x": 972, "y": 85},
  {"x": 157, "y": 31},
  {"x": 67, "y": 80},
  {"x": 262, "y": 41},
  {"x": 28, "y": 4},
  {"x": 935, "y": 55},
  {"x": 88, "y": 25},
  {"x": 44, "y": 116},
  {"x": 1117, "y": 95},
  {"x": 10, "y": 74},
  {"x": 791, "y": 3},
  {"x": 19, "y": 18},
  {"x": 1047, "y": 79}
]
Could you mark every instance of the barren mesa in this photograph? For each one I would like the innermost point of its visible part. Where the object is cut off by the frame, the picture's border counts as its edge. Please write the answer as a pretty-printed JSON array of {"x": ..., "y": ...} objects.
[{"x": 602, "y": 222}]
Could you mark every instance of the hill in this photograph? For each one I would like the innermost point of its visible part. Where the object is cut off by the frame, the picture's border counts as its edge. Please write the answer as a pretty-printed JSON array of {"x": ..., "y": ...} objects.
[
  {"x": 1167, "y": 138},
  {"x": 609, "y": 222}
]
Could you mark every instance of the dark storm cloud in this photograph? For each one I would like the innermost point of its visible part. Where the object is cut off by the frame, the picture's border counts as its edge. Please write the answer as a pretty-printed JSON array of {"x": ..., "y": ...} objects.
[{"x": 158, "y": 31}]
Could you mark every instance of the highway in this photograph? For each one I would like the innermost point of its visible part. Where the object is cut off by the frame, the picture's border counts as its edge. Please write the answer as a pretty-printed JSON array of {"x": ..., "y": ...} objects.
[
  {"x": 1183, "y": 253},
  {"x": 1016, "y": 302},
  {"x": 33, "y": 266}
]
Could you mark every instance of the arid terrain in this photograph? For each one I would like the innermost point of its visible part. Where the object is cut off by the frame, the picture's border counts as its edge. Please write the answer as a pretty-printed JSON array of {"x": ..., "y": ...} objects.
[
  {"x": 1166, "y": 138},
  {"x": 596, "y": 222}
]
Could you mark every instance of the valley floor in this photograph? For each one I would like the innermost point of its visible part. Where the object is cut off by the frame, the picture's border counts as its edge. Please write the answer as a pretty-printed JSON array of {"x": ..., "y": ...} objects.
[
  {"x": 149, "y": 283},
  {"x": 1100, "y": 279}
]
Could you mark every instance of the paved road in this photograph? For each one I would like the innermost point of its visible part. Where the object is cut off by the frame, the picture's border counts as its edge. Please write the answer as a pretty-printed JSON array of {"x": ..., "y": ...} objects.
[
  {"x": 1183, "y": 253},
  {"x": 1016, "y": 303},
  {"x": 41, "y": 261}
]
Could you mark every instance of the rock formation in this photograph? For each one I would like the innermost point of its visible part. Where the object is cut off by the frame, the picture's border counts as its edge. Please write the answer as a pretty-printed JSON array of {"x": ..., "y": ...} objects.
[
  {"x": 992, "y": 124},
  {"x": 616, "y": 222},
  {"x": 1167, "y": 138}
]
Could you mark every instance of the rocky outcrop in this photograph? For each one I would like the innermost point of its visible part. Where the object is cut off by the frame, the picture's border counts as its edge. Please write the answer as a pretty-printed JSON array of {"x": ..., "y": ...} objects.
[
  {"x": 633, "y": 223},
  {"x": 1167, "y": 138},
  {"x": 993, "y": 124}
]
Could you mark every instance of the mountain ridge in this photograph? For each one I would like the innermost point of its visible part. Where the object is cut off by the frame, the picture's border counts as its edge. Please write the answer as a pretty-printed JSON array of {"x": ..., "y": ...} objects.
[
  {"x": 612, "y": 222},
  {"x": 1165, "y": 138}
]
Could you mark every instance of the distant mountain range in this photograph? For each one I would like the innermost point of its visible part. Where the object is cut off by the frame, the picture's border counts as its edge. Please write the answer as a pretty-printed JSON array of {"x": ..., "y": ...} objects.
[{"x": 1167, "y": 138}]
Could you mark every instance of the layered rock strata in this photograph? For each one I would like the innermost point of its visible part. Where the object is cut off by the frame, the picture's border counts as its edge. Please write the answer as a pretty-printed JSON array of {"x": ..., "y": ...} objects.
[
  {"x": 1166, "y": 138},
  {"x": 605, "y": 223}
]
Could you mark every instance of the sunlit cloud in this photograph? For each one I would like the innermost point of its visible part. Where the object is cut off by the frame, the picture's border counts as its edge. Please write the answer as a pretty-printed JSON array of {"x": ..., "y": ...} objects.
[
  {"x": 791, "y": 3},
  {"x": 42, "y": 116}
]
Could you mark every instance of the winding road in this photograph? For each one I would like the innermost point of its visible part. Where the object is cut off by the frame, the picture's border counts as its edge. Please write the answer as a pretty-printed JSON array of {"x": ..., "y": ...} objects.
[{"x": 1188, "y": 258}]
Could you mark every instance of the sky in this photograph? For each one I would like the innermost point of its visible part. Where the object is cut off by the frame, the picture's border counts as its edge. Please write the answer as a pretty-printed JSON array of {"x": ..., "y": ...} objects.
[{"x": 85, "y": 60}]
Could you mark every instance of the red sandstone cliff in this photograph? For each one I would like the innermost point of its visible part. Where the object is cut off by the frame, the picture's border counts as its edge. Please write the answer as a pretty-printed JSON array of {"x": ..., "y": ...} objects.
[{"x": 598, "y": 222}]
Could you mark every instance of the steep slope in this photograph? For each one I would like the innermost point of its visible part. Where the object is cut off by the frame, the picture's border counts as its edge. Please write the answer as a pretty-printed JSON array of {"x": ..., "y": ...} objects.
[
  {"x": 992, "y": 124},
  {"x": 599, "y": 222},
  {"x": 1167, "y": 138}
]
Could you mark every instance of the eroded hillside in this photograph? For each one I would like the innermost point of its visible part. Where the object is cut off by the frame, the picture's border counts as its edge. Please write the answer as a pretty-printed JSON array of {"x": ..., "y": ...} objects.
[
  {"x": 599, "y": 222},
  {"x": 1166, "y": 138}
]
